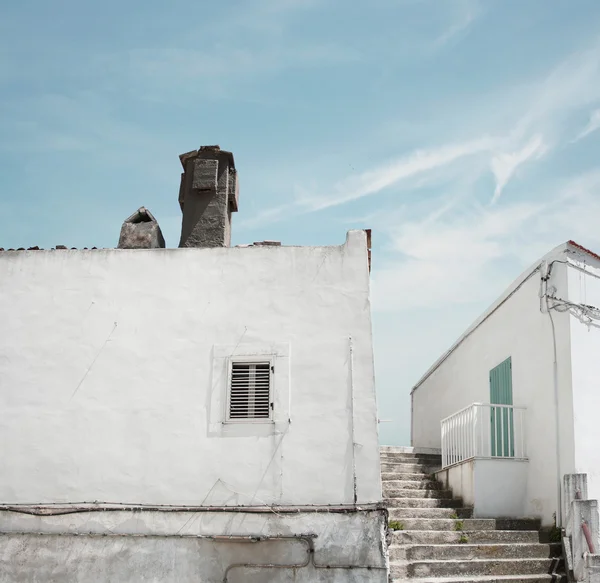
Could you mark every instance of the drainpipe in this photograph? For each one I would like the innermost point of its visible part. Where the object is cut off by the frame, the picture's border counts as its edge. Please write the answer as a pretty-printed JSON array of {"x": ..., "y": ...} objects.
[
  {"x": 351, "y": 358},
  {"x": 546, "y": 273},
  {"x": 557, "y": 425}
]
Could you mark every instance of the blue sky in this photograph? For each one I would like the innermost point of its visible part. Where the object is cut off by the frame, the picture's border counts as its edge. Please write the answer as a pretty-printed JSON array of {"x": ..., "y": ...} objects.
[{"x": 463, "y": 132}]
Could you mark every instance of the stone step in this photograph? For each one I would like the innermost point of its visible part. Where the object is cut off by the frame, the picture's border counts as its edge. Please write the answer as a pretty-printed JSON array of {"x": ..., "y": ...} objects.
[
  {"x": 441, "y": 523},
  {"x": 407, "y": 468},
  {"x": 424, "y": 484},
  {"x": 391, "y": 492},
  {"x": 409, "y": 477},
  {"x": 397, "y": 502},
  {"x": 454, "y": 513},
  {"x": 518, "y": 524},
  {"x": 449, "y": 568},
  {"x": 432, "y": 537},
  {"x": 468, "y": 552},
  {"x": 489, "y": 579},
  {"x": 412, "y": 458}
]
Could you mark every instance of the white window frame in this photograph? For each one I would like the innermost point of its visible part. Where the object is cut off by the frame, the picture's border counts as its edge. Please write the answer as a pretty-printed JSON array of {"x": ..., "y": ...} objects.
[{"x": 264, "y": 359}]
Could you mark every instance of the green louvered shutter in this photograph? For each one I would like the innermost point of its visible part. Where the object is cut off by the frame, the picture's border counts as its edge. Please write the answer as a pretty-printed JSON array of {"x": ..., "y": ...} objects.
[{"x": 502, "y": 422}]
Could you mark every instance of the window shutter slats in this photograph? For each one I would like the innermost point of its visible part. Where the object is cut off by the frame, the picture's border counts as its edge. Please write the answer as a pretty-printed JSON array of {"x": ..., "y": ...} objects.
[{"x": 250, "y": 390}]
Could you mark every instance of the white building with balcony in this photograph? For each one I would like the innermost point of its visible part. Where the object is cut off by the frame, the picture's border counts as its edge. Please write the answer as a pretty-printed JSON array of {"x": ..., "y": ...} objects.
[{"x": 514, "y": 405}]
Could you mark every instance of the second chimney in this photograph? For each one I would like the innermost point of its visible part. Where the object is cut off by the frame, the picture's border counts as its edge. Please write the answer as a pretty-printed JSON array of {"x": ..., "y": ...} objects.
[{"x": 208, "y": 195}]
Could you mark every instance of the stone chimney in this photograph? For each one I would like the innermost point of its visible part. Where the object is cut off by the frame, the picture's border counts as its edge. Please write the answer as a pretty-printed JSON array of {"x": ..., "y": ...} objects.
[
  {"x": 141, "y": 231},
  {"x": 208, "y": 195}
]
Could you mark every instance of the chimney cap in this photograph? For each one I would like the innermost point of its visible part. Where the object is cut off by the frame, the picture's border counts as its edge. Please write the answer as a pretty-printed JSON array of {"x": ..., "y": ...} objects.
[
  {"x": 142, "y": 215},
  {"x": 183, "y": 158}
]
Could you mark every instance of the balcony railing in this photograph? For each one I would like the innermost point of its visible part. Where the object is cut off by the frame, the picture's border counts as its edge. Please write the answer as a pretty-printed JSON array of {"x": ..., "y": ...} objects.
[{"x": 484, "y": 431}]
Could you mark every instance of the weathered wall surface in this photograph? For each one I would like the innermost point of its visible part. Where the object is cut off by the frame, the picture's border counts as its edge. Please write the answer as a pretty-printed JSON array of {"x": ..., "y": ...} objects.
[
  {"x": 171, "y": 547},
  {"x": 520, "y": 330},
  {"x": 584, "y": 288},
  {"x": 113, "y": 376}
]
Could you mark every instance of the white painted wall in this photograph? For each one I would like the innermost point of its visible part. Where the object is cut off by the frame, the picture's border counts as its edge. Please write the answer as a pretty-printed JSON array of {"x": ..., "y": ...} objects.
[
  {"x": 493, "y": 488},
  {"x": 514, "y": 326},
  {"x": 501, "y": 488},
  {"x": 584, "y": 288},
  {"x": 112, "y": 379},
  {"x": 460, "y": 479}
]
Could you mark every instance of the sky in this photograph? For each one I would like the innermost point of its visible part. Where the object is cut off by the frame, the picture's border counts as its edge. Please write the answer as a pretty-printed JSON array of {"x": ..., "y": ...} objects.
[{"x": 464, "y": 133}]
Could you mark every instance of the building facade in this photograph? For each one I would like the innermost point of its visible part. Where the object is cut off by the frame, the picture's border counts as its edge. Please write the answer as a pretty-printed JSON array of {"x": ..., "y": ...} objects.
[
  {"x": 205, "y": 413},
  {"x": 514, "y": 403}
]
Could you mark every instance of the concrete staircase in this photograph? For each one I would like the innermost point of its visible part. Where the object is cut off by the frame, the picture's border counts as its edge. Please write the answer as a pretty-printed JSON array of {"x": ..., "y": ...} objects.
[{"x": 439, "y": 542}]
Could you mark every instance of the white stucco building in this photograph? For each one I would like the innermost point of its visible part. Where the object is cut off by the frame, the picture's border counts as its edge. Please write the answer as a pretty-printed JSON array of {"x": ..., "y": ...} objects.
[
  {"x": 191, "y": 414},
  {"x": 514, "y": 403}
]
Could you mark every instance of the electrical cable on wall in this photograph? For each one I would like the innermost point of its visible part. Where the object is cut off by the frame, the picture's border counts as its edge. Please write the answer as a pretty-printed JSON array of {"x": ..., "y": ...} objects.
[{"x": 586, "y": 314}]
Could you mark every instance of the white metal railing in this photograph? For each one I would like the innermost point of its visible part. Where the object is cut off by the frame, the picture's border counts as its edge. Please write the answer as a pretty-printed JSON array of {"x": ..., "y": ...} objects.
[{"x": 484, "y": 431}]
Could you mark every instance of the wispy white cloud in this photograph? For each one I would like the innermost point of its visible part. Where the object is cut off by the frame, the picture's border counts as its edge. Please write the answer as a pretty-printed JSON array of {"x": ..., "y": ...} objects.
[
  {"x": 419, "y": 168},
  {"x": 574, "y": 83},
  {"x": 269, "y": 215},
  {"x": 285, "y": 6},
  {"x": 460, "y": 256},
  {"x": 505, "y": 164},
  {"x": 261, "y": 16},
  {"x": 467, "y": 16},
  {"x": 239, "y": 44},
  {"x": 222, "y": 63},
  {"x": 375, "y": 180},
  {"x": 411, "y": 171},
  {"x": 540, "y": 117},
  {"x": 247, "y": 42},
  {"x": 447, "y": 260},
  {"x": 53, "y": 122},
  {"x": 32, "y": 136},
  {"x": 462, "y": 161},
  {"x": 592, "y": 126}
]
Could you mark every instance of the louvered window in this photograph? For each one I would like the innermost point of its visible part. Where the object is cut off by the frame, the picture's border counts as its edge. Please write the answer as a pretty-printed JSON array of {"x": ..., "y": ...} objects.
[{"x": 250, "y": 391}]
